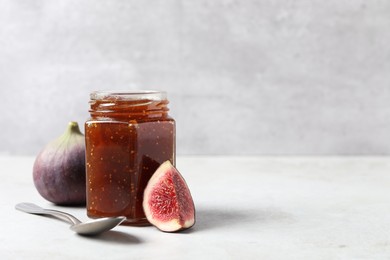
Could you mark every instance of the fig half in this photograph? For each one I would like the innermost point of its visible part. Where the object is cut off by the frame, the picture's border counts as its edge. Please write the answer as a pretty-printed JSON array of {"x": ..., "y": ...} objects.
[{"x": 167, "y": 202}]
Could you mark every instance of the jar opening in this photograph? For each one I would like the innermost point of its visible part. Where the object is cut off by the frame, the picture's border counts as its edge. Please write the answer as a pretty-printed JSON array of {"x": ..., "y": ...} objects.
[
  {"x": 128, "y": 104},
  {"x": 129, "y": 95}
]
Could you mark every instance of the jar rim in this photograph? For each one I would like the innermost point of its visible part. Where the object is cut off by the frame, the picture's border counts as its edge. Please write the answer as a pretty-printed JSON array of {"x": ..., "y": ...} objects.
[{"x": 129, "y": 95}]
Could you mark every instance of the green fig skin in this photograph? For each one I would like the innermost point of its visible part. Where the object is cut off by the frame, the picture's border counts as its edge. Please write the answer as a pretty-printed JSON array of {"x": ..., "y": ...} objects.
[{"x": 59, "y": 169}]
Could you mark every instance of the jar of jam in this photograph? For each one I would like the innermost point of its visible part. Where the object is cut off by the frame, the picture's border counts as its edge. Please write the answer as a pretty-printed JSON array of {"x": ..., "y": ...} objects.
[{"x": 128, "y": 136}]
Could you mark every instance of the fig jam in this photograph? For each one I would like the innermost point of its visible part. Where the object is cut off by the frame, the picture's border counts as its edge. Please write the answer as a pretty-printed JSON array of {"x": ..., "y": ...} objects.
[{"x": 128, "y": 136}]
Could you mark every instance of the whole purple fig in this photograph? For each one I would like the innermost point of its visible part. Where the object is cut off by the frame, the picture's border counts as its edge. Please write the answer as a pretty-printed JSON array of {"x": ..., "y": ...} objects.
[{"x": 59, "y": 169}]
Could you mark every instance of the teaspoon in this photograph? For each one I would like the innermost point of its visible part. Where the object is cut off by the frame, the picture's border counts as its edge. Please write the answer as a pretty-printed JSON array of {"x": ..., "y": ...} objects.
[{"x": 89, "y": 228}]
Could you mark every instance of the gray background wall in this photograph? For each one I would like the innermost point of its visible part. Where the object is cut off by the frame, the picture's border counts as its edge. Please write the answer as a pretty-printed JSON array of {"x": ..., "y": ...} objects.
[{"x": 243, "y": 77}]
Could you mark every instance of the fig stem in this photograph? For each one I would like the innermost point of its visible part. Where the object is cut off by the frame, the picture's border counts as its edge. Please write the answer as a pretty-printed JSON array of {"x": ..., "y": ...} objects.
[{"x": 73, "y": 127}]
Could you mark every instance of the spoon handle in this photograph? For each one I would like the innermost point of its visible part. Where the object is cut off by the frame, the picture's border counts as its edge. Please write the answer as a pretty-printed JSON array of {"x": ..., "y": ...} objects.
[{"x": 35, "y": 209}]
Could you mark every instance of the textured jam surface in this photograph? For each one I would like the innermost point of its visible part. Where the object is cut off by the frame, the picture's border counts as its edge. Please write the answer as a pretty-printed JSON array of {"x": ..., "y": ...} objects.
[{"x": 121, "y": 158}]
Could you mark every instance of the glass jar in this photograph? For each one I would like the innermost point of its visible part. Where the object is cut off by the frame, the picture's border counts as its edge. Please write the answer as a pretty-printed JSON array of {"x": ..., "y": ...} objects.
[{"x": 128, "y": 136}]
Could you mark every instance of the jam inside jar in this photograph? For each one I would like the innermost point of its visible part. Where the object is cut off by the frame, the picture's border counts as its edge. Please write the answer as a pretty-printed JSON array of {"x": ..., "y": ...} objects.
[{"x": 128, "y": 136}]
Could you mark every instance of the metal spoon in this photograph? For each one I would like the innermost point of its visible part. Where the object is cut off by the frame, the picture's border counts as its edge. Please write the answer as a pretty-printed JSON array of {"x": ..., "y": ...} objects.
[{"x": 89, "y": 228}]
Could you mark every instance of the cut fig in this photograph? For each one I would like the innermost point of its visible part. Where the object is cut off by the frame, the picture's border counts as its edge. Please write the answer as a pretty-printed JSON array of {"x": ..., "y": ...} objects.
[{"x": 167, "y": 202}]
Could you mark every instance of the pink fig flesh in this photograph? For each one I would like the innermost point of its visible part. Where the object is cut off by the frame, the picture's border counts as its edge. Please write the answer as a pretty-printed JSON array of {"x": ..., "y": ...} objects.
[{"x": 167, "y": 202}]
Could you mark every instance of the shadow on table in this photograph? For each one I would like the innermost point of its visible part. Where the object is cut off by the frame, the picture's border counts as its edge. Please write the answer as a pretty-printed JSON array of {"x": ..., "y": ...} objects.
[
  {"x": 209, "y": 218},
  {"x": 116, "y": 237}
]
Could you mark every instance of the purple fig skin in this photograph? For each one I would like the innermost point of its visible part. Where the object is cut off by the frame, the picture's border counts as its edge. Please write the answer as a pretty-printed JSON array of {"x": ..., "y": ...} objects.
[{"x": 59, "y": 169}]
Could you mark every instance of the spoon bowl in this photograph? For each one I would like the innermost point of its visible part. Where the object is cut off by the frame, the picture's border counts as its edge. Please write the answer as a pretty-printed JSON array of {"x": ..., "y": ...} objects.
[
  {"x": 89, "y": 228},
  {"x": 96, "y": 226}
]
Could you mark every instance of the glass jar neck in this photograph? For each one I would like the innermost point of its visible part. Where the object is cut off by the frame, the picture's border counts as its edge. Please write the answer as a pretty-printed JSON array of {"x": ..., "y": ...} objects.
[{"x": 128, "y": 105}]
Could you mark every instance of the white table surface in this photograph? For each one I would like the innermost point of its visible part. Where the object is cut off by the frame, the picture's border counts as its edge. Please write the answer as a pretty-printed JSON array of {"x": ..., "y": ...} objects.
[{"x": 247, "y": 208}]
